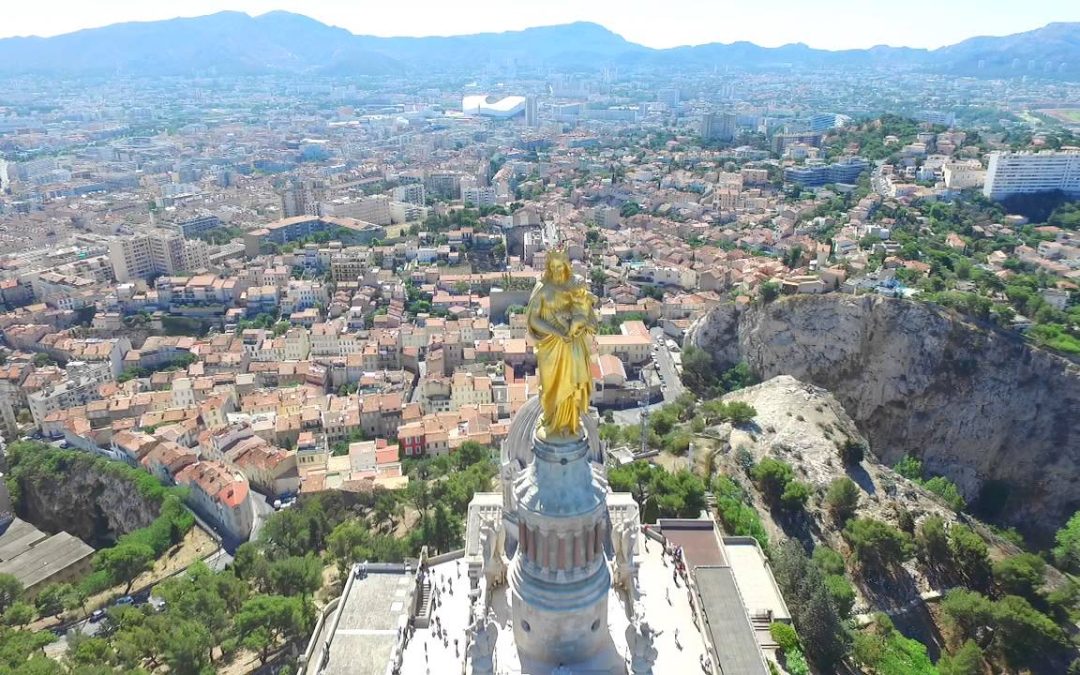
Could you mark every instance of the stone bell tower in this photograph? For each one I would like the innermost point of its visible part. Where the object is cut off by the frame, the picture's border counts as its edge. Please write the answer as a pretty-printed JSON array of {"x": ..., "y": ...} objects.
[{"x": 559, "y": 579}]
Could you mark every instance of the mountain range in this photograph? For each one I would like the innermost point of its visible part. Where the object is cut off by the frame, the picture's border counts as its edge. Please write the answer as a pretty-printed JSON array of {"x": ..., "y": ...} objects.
[{"x": 234, "y": 43}]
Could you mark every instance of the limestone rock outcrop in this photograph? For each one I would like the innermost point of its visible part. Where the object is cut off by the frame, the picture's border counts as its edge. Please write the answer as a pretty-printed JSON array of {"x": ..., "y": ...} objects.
[
  {"x": 975, "y": 403},
  {"x": 805, "y": 426},
  {"x": 95, "y": 506}
]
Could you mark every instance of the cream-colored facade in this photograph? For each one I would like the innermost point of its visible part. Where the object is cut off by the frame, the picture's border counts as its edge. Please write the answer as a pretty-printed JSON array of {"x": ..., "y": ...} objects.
[{"x": 156, "y": 252}]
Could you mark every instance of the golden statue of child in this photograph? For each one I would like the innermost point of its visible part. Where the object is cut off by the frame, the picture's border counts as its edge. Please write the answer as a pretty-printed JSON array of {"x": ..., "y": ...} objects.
[{"x": 562, "y": 323}]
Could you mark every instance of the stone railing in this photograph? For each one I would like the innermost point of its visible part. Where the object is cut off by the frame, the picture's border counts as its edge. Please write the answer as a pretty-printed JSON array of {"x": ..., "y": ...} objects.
[
  {"x": 305, "y": 657},
  {"x": 444, "y": 557},
  {"x": 306, "y": 662}
]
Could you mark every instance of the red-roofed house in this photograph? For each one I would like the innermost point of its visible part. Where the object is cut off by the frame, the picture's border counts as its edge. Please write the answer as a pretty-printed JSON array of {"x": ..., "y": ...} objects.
[
  {"x": 167, "y": 459},
  {"x": 221, "y": 495}
]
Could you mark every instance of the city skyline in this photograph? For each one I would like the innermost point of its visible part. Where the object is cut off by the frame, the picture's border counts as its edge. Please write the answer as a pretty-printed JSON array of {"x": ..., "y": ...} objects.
[
  {"x": 836, "y": 25},
  {"x": 539, "y": 351}
]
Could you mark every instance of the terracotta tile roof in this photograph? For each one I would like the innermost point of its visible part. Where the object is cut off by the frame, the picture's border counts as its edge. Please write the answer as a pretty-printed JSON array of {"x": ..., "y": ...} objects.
[{"x": 217, "y": 481}]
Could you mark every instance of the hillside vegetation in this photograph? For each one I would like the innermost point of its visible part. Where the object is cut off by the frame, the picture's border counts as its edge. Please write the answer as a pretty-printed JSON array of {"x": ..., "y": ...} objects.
[{"x": 884, "y": 570}]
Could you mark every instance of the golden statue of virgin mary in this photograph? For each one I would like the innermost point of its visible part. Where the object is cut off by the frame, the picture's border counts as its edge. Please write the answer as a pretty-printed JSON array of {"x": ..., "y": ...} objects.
[{"x": 562, "y": 323}]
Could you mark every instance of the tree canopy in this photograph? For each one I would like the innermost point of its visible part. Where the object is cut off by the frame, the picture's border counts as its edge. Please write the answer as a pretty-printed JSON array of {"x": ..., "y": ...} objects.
[
  {"x": 812, "y": 610},
  {"x": 877, "y": 545},
  {"x": 658, "y": 492}
]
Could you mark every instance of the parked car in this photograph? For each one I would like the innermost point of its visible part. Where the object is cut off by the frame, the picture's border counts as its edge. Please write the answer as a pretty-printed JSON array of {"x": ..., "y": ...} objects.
[
  {"x": 97, "y": 615},
  {"x": 126, "y": 600}
]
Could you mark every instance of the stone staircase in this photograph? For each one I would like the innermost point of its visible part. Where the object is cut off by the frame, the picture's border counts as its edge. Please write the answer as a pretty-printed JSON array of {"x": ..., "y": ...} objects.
[{"x": 423, "y": 615}]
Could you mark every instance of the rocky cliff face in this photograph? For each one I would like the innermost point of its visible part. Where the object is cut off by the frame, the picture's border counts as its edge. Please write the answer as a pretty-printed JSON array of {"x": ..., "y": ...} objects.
[
  {"x": 93, "y": 506},
  {"x": 976, "y": 404}
]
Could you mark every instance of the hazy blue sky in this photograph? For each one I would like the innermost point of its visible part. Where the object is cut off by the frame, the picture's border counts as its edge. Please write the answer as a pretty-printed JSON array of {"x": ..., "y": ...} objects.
[{"x": 829, "y": 24}]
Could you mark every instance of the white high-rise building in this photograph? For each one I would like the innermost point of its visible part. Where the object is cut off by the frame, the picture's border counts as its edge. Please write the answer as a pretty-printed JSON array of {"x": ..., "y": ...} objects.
[
  {"x": 372, "y": 209},
  {"x": 302, "y": 199},
  {"x": 479, "y": 195},
  {"x": 156, "y": 252},
  {"x": 1012, "y": 173},
  {"x": 411, "y": 193}
]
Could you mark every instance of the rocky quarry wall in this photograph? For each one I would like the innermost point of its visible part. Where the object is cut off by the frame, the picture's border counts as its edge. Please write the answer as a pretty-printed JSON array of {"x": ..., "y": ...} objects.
[
  {"x": 978, "y": 405},
  {"x": 94, "y": 506}
]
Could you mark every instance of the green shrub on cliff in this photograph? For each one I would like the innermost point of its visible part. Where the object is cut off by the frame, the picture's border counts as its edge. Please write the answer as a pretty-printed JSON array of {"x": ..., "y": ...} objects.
[
  {"x": 909, "y": 467},
  {"x": 1055, "y": 336},
  {"x": 772, "y": 477},
  {"x": 39, "y": 465},
  {"x": 878, "y": 545},
  {"x": 947, "y": 490},
  {"x": 813, "y": 613},
  {"x": 1067, "y": 551},
  {"x": 173, "y": 522},
  {"x": 702, "y": 375},
  {"x": 880, "y": 648},
  {"x": 736, "y": 512},
  {"x": 659, "y": 492},
  {"x": 1021, "y": 633},
  {"x": 31, "y": 461}
]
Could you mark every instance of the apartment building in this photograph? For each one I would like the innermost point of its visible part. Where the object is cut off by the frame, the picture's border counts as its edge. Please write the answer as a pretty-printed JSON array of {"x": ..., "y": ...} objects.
[
  {"x": 12, "y": 397},
  {"x": 204, "y": 289},
  {"x": 156, "y": 252},
  {"x": 349, "y": 264},
  {"x": 826, "y": 121},
  {"x": 751, "y": 176},
  {"x": 89, "y": 350},
  {"x": 412, "y": 193},
  {"x": 963, "y": 175},
  {"x": 1011, "y": 173},
  {"x": 302, "y": 198},
  {"x": 192, "y": 227},
  {"x": 302, "y": 294},
  {"x": 79, "y": 388},
  {"x": 404, "y": 212},
  {"x": 846, "y": 170},
  {"x": 445, "y": 184},
  {"x": 442, "y": 433},
  {"x": 373, "y": 209},
  {"x": 291, "y": 229},
  {"x": 469, "y": 389},
  {"x": 718, "y": 126},
  {"x": 479, "y": 195},
  {"x": 781, "y": 142},
  {"x": 631, "y": 349},
  {"x": 666, "y": 275}
]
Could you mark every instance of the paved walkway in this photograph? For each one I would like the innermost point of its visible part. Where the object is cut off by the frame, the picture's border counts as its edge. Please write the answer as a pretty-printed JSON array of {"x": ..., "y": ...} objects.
[
  {"x": 667, "y": 607},
  {"x": 432, "y": 649},
  {"x": 376, "y": 606},
  {"x": 666, "y": 604}
]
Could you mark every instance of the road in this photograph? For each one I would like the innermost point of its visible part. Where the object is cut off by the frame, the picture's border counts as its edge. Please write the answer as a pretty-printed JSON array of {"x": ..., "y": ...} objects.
[
  {"x": 261, "y": 508},
  {"x": 877, "y": 181},
  {"x": 672, "y": 386},
  {"x": 58, "y": 649},
  {"x": 665, "y": 365},
  {"x": 216, "y": 561}
]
